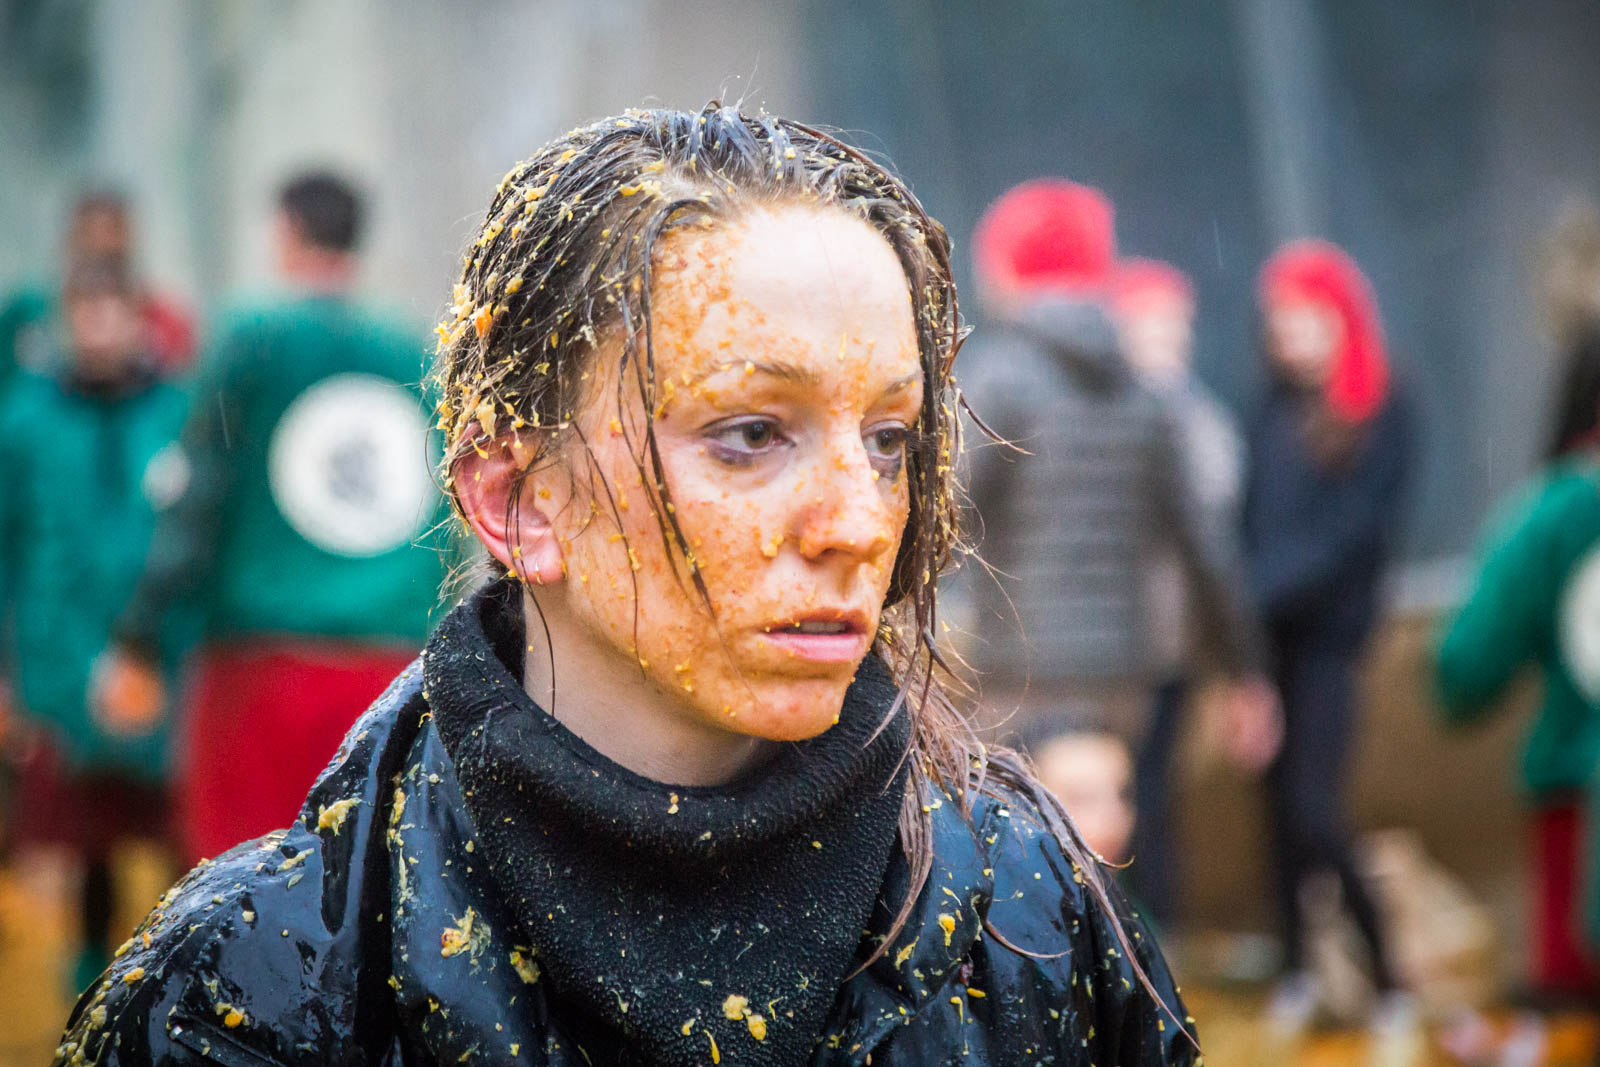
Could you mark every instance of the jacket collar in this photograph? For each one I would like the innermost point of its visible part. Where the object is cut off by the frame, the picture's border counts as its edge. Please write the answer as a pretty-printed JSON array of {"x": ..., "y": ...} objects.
[{"x": 671, "y": 917}]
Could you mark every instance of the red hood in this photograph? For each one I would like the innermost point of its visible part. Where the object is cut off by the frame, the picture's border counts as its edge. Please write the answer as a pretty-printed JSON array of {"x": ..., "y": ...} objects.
[
  {"x": 1048, "y": 235},
  {"x": 1319, "y": 271}
]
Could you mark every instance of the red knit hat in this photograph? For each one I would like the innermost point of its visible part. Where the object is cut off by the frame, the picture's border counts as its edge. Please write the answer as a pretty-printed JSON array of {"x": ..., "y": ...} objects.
[
  {"x": 1320, "y": 272},
  {"x": 1048, "y": 234},
  {"x": 1136, "y": 278}
]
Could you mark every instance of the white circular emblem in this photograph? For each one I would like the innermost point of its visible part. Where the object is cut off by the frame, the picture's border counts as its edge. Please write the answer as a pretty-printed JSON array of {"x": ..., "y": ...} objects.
[
  {"x": 166, "y": 476},
  {"x": 348, "y": 465},
  {"x": 1578, "y": 627}
]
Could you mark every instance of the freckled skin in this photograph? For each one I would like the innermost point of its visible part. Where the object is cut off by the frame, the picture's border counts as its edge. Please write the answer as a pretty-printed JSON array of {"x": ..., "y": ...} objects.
[{"x": 811, "y": 520}]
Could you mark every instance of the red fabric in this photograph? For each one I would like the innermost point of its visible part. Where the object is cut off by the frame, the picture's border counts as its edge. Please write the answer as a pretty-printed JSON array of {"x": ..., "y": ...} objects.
[
  {"x": 171, "y": 334},
  {"x": 1561, "y": 959},
  {"x": 1138, "y": 279},
  {"x": 1320, "y": 272},
  {"x": 87, "y": 813},
  {"x": 263, "y": 720},
  {"x": 1047, "y": 234}
]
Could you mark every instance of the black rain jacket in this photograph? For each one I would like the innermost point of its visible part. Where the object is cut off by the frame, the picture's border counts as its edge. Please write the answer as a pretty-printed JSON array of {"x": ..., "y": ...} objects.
[{"x": 285, "y": 950}]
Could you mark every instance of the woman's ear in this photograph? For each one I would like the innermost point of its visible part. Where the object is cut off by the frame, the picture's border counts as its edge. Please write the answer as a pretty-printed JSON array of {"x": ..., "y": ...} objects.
[{"x": 522, "y": 538}]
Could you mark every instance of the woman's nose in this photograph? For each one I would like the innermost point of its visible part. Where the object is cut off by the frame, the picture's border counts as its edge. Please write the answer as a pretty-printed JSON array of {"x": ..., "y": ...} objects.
[{"x": 846, "y": 508}]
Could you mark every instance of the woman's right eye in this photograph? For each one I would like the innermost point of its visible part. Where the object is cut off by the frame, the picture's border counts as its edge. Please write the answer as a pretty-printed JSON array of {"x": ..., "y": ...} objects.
[{"x": 742, "y": 441}]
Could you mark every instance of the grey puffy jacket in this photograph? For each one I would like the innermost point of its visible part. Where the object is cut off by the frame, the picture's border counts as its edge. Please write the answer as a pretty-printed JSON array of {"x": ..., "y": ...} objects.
[{"x": 1071, "y": 528}]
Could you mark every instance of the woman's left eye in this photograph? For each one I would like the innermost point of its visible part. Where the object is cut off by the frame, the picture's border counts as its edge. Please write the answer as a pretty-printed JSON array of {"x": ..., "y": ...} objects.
[{"x": 886, "y": 447}]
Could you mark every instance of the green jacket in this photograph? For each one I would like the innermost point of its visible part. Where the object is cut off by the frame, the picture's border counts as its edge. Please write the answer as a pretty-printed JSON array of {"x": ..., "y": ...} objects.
[
  {"x": 26, "y": 318},
  {"x": 86, "y": 474},
  {"x": 310, "y": 495},
  {"x": 1536, "y": 602}
]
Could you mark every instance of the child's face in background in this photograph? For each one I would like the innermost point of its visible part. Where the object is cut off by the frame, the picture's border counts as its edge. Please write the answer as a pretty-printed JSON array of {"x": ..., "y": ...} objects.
[
  {"x": 1157, "y": 332},
  {"x": 1092, "y": 776},
  {"x": 105, "y": 332}
]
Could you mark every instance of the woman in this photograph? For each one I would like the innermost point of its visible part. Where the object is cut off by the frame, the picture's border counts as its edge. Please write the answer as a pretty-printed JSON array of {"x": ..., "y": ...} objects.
[
  {"x": 640, "y": 799},
  {"x": 1327, "y": 458}
]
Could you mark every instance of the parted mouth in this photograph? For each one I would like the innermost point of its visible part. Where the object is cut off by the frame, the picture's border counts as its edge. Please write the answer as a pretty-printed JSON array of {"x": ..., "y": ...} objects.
[
  {"x": 825, "y": 623},
  {"x": 817, "y": 627}
]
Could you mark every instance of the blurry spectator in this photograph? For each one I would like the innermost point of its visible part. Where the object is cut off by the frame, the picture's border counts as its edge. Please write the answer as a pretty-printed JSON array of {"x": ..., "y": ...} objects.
[
  {"x": 1570, "y": 292},
  {"x": 309, "y": 485},
  {"x": 1153, "y": 304},
  {"x": 100, "y": 233},
  {"x": 90, "y": 459},
  {"x": 1328, "y": 455},
  {"x": 1070, "y": 523},
  {"x": 1534, "y": 603}
]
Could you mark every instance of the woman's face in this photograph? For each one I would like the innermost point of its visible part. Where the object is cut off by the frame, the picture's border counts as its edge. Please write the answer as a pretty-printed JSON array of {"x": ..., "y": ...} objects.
[
  {"x": 788, "y": 383},
  {"x": 1303, "y": 336}
]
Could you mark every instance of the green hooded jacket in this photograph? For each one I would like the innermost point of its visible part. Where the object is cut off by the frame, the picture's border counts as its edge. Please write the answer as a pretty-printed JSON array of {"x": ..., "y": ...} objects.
[
  {"x": 87, "y": 473},
  {"x": 1535, "y": 603}
]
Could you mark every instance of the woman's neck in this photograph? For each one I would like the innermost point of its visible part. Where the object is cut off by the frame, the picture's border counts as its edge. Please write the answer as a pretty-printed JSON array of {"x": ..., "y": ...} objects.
[{"x": 609, "y": 703}]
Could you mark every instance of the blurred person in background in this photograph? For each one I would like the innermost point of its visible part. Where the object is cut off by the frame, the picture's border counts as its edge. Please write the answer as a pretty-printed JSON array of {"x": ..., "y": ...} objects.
[
  {"x": 90, "y": 460},
  {"x": 1328, "y": 455},
  {"x": 1533, "y": 604},
  {"x": 100, "y": 232},
  {"x": 1154, "y": 308},
  {"x": 1570, "y": 295},
  {"x": 1094, "y": 491},
  {"x": 297, "y": 535}
]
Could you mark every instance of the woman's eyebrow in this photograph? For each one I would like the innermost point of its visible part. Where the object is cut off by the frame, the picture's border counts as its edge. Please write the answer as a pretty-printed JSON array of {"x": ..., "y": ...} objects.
[
  {"x": 902, "y": 384},
  {"x": 776, "y": 368}
]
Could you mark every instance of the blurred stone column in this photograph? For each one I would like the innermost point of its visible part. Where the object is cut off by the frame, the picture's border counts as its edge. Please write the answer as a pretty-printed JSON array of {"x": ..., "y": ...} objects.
[
  {"x": 1285, "y": 75},
  {"x": 142, "y": 107}
]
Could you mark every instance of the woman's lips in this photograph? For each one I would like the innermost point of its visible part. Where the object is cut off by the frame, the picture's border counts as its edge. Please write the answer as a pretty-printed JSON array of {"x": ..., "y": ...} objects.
[{"x": 821, "y": 640}]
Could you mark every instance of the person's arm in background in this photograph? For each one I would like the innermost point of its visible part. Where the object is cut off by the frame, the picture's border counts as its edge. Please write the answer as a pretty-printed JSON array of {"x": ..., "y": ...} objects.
[
  {"x": 128, "y": 691},
  {"x": 1211, "y": 557},
  {"x": 1304, "y": 566},
  {"x": 1506, "y": 616}
]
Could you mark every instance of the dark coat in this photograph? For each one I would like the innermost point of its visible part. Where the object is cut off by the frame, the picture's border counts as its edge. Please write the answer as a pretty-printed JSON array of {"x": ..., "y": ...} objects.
[
  {"x": 287, "y": 950},
  {"x": 1318, "y": 538}
]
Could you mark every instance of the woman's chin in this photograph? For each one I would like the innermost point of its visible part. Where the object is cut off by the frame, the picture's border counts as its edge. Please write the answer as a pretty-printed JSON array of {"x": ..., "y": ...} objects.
[{"x": 791, "y": 711}]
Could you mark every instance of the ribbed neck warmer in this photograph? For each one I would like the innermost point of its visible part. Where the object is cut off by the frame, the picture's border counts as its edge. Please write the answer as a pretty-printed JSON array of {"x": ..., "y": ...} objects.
[{"x": 671, "y": 919}]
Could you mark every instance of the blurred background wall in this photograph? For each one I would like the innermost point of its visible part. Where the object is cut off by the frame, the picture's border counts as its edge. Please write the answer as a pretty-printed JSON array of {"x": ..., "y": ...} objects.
[
  {"x": 200, "y": 108},
  {"x": 1433, "y": 138}
]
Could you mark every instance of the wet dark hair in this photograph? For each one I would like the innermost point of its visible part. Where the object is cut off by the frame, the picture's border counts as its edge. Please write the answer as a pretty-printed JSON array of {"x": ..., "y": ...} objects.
[
  {"x": 105, "y": 200},
  {"x": 563, "y": 261},
  {"x": 1576, "y": 424},
  {"x": 326, "y": 209}
]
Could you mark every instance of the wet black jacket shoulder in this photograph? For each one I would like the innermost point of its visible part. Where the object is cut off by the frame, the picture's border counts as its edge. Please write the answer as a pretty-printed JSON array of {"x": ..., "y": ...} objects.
[{"x": 288, "y": 950}]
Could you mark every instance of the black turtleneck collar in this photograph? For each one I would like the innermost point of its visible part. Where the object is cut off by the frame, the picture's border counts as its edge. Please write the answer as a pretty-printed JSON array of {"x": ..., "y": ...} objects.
[{"x": 671, "y": 917}]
